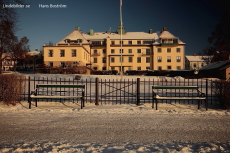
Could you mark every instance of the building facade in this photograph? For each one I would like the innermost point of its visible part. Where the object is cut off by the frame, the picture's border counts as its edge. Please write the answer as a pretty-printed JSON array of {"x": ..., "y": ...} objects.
[
  {"x": 195, "y": 62},
  {"x": 107, "y": 51}
]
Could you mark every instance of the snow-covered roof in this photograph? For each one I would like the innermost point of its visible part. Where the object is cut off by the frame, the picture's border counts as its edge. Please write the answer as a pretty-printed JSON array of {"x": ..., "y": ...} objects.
[
  {"x": 166, "y": 34},
  {"x": 196, "y": 58},
  {"x": 74, "y": 35},
  {"x": 33, "y": 52},
  {"x": 126, "y": 35}
]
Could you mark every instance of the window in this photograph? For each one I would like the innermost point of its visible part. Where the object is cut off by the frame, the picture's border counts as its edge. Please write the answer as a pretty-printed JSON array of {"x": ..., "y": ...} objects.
[
  {"x": 112, "y": 51},
  {"x": 121, "y": 42},
  {"x": 130, "y": 42},
  {"x": 138, "y": 68},
  {"x": 121, "y": 51},
  {"x": 62, "y": 53},
  {"x": 148, "y": 52},
  {"x": 159, "y": 50},
  {"x": 178, "y": 59},
  {"x": 138, "y": 42},
  {"x": 95, "y": 51},
  {"x": 138, "y": 59},
  {"x": 104, "y": 68},
  {"x": 159, "y": 59},
  {"x": 159, "y": 68},
  {"x": 178, "y": 67},
  {"x": 112, "y": 68},
  {"x": 147, "y": 68},
  {"x": 121, "y": 59},
  {"x": 74, "y": 53},
  {"x": 95, "y": 68},
  {"x": 168, "y": 58},
  {"x": 130, "y": 50},
  {"x": 50, "y": 53},
  {"x": 103, "y": 59},
  {"x": 168, "y": 50},
  {"x": 51, "y": 64},
  {"x": 130, "y": 59},
  {"x": 147, "y": 59},
  {"x": 169, "y": 67},
  {"x": 96, "y": 42},
  {"x": 202, "y": 64},
  {"x": 194, "y": 65},
  {"x": 94, "y": 60},
  {"x": 112, "y": 60},
  {"x": 113, "y": 42},
  {"x": 138, "y": 50},
  {"x": 104, "y": 51},
  {"x": 147, "y": 42},
  {"x": 178, "y": 50},
  {"x": 62, "y": 64}
]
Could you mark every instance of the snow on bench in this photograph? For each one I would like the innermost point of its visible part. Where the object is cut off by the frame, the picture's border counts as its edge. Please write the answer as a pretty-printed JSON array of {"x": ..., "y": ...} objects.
[
  {"x": 200, "y": 96},
  {"x": 61, "y": 88}
]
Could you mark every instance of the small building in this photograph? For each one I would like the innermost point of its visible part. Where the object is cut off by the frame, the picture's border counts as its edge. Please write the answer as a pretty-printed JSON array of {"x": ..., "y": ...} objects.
[
  {"x": 7, "y": 62},
  {"x": 219, "y": 70},
  {"x": 195, "y": 62}
]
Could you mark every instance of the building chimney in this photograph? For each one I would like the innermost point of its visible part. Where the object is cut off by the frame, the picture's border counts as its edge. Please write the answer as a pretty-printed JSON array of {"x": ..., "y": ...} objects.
[
  {"x": 164, "y": 29},
  {"x": 150, "y": 31},
  {"x": 77, "y": 28},
  {"x": 91, "y": 32}
]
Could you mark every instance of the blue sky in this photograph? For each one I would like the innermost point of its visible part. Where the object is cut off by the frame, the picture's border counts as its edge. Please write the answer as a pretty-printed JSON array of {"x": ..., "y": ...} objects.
[{"x": 190, "y": 20}]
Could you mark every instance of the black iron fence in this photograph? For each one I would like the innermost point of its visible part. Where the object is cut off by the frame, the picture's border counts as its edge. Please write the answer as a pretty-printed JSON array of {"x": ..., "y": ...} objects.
[{"x": 128, "y": 91}]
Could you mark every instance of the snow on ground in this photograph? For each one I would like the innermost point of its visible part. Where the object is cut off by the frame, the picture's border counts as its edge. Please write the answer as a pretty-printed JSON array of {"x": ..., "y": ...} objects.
[{"x": 64, "y": 127}]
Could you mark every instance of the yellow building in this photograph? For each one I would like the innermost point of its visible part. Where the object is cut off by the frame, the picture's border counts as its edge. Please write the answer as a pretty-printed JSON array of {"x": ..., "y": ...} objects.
[{"x": 106, "y": 51}]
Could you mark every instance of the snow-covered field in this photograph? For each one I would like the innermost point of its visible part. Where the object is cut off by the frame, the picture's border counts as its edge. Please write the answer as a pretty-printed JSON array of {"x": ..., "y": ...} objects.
[{"x": 127, "y": 128}]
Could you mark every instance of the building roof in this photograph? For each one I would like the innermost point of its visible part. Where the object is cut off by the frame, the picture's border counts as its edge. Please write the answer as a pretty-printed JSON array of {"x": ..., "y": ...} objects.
[
  {"x": 166, "y": 34},
  {"x": 74, "y": 35},
  {"x": 126, "y": 35},
  {"x": 33, "y": 53},
  {"x": 196, "y": 58},
  {"x": 216, "y": 65}
]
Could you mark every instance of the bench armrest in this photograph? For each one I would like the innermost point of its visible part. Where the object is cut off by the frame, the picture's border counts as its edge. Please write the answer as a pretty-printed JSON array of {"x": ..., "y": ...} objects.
[
  {"x": 34, "y": 92},
  {"x": 201, "y": 94}
]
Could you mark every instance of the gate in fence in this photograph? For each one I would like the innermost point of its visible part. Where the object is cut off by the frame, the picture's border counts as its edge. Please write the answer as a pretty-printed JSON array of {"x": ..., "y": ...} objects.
[{"x": 117, "y": 91}]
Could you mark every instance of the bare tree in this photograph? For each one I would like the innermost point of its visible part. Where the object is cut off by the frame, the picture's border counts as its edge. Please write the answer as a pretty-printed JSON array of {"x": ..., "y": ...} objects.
[
  {"x": 220, "y": 38},
  {"x": 8, "y": 19},
  {"x": 19, "y": 49}
]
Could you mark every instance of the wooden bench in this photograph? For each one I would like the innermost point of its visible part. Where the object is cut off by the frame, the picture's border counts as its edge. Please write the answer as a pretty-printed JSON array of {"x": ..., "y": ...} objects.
[
  {"x": 61, "y": 88},
  {"x": 199, "y": 96}
]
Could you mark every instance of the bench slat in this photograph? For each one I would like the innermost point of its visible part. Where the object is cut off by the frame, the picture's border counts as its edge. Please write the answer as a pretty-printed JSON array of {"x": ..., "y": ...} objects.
[
  {"x": 61, "y": 85},
  {"x": 180, "y": 98},
  {"x": 175, "y": 87},
  {"x": 54, "y": 97}
]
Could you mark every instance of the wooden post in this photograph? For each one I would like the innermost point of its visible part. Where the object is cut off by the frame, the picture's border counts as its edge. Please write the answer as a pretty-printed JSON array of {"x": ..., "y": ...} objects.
[
  {"x": 96, "y": 91},
  {"x": 138, "y": 91}
]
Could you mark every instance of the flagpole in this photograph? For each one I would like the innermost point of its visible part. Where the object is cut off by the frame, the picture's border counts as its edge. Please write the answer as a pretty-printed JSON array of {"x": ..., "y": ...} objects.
[{"x": 121, "y": 28}]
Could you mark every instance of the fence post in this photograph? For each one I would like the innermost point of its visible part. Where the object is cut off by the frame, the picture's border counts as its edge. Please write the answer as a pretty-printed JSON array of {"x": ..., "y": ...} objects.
[
  {"x": 138, "y": 91},
  {"x": 96, "y": 91},
  {"x": 29, "y": 99},
  {"x": 206, "y": 101}
]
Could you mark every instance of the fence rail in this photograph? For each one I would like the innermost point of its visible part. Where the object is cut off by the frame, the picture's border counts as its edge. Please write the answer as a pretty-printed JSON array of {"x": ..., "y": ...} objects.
[{"x": 130, "y": 91}]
